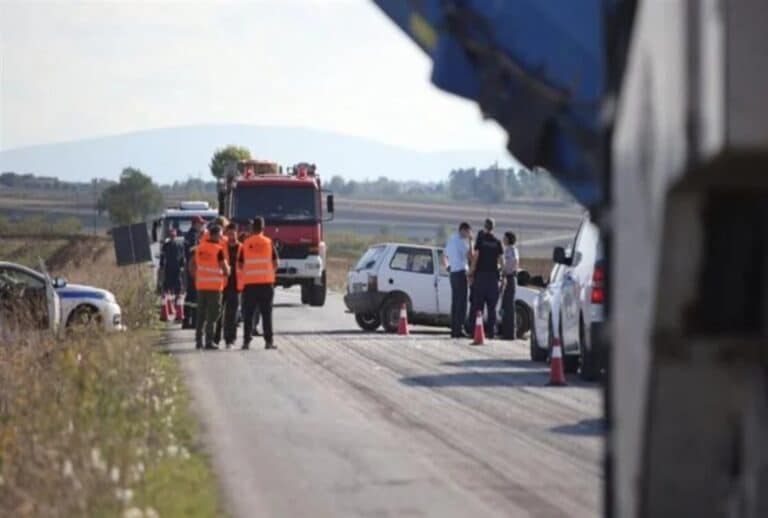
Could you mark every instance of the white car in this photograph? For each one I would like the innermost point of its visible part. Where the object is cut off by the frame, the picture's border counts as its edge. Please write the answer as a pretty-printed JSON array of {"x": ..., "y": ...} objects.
[
  {"x": 572, "y": 305},
  {"x": 80, "y": 305},
  {"x": 391, "y": 274}
]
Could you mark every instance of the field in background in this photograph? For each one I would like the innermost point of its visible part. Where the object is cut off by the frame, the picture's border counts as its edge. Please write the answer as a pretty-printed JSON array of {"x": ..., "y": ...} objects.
[
  {"x": 539, "y": 224},
  {"x": 94, "y": 424}
]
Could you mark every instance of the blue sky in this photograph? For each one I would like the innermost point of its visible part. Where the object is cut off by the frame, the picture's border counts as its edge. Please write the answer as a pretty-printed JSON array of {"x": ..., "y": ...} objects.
[{"x": 73, "y": 70}]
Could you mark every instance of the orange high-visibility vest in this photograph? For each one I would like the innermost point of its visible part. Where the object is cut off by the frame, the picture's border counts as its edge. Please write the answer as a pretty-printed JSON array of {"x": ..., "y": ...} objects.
[
  {"x": 257, "y": 267},
  {"x": 209, "y": 276}
]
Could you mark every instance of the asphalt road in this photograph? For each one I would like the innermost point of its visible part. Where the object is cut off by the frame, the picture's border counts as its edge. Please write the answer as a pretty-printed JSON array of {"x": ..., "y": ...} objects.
[{"x": 341, "y": 423}]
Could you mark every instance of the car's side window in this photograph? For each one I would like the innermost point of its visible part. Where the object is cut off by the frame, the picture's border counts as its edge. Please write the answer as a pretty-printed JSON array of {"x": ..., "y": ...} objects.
[
  {"x": 399, "y": 260},
  {"x": 19, "y": 278},
  {"x": 416, "y": 260}
]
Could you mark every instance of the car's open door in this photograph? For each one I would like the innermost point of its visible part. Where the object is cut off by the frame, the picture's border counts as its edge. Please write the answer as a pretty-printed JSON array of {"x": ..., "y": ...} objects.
[{"x": 52, "y": 300}]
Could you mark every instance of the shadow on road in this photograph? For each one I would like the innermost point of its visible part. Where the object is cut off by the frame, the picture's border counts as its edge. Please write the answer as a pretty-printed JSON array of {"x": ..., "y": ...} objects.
[
  {"x": 493, "y": 363},
  {"x": 329, "y": 332},
  {"x": 595, "y": 426},
  {"x": 479, "y": 379}
]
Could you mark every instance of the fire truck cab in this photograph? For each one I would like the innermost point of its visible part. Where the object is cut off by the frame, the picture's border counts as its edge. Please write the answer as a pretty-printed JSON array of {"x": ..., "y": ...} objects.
[{"x": 290, "y": 201}]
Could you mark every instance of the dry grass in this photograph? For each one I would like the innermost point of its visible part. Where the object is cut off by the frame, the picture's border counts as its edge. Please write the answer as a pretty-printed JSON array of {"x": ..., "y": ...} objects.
[{"x": 95, "y": 424}]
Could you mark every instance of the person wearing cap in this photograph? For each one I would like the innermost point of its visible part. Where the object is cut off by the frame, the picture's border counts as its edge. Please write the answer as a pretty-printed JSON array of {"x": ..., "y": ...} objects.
[
  {"x": 211, "y": 271},
  {"x": 484, "y": 272},
  {"x": 258, "y": 267},
  {"x": 458, "y": 254},
  {"x": 172, "y": 262},
  {"x": 191, "y": 239}
]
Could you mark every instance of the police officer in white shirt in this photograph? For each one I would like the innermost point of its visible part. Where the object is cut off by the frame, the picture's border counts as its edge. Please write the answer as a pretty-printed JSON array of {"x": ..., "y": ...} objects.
[
  {"x": 458, "y": 253},
  {"x": 511, "y": 266}
]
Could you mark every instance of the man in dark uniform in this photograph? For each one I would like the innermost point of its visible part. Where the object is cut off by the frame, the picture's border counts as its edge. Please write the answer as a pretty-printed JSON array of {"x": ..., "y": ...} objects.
[
  {"x": 172, "y": 263},
  {"x": 190, "y": 301},
  {"x": 486, "y": 263},
  {"x": 231, "y": 300}
]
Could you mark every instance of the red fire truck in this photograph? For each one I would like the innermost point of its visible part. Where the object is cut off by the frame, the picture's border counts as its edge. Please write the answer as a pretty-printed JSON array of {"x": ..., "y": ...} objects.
[{"x": 291, "y": 204}]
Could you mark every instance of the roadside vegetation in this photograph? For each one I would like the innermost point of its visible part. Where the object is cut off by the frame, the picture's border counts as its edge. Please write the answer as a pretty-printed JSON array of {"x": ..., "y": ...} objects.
[{"x": 94, "y": 424}]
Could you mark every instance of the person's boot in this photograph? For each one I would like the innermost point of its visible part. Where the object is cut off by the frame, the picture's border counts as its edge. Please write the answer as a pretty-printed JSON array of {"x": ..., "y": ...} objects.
[
  {"x": 246, "y": 345},
  {"x": 270, "y": 345}
]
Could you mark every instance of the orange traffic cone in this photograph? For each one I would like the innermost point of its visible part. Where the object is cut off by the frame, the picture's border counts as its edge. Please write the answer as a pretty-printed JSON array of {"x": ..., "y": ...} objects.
[
  {"x": 179, "y": 309},
  {"x": 556, "y": 371},
  {"x": 479, "y": 330},
  {"x": 402, "y": 326}
]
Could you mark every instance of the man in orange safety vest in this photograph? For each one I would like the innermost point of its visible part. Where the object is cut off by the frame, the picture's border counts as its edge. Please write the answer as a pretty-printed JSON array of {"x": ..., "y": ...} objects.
[
  {"x": 257, "y": 266},
  {"x": 211, "y": 273}
]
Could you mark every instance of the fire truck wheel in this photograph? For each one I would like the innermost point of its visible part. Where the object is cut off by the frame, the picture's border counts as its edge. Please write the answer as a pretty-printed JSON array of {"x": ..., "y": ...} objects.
[{"x": 317, "y": 293}]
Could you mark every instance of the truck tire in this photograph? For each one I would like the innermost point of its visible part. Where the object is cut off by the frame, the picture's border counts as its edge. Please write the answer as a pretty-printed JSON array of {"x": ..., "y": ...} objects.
[
  {"x": 590, "y": 364},
  {"x": 317, "y": 293},
  {"x": 390, "y": 312},
  {"x": 368, "y": 321},
  {"x": 305, "y": 289}
]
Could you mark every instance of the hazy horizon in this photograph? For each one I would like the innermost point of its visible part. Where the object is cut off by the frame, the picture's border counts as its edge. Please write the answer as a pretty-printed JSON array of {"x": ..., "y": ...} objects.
[{"x": 89, "y": 70}]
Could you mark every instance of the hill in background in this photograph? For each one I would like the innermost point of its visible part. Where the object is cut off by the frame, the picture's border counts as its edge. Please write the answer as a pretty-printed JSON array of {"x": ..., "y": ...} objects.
[{"x": 177, "y": 153}]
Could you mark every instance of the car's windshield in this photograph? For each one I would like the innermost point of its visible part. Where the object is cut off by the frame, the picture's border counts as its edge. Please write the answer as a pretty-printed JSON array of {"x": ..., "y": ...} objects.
[
  {"x": 370, "y": 258},
  {"x": 181, "y": 225},
  {"x": 276, "y": 204}
]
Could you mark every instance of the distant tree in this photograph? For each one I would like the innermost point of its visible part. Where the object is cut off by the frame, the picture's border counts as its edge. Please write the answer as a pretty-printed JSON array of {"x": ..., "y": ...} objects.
[
  {"x": 461, "y": 184},
  {"x": 336, "y": 184},
  {"x": 133, "y": 199},
  {"x": 225, "y": 156}
]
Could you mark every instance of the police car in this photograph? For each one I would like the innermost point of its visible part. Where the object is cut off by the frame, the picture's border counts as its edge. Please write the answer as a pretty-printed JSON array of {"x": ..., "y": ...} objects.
[{"x": 80, "y": 305}]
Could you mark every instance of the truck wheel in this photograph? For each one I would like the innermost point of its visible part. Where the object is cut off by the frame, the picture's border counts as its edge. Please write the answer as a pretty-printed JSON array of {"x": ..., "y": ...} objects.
[
  {"x": 305, "y": 289},
  {"x": 390, "y": 313},
  {"x": 590, "y": 366},
  {"x": 368, "y": 321},
  {"x": 317, "y": 293}
]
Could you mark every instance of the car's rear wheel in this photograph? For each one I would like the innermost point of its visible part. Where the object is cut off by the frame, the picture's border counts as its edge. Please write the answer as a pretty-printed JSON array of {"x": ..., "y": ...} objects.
[
  {"x": 368, "y": 321},
  {"x": 390, "y": 312},
  {"x": 570, "y": 362},
  {"x": 522, "y": 319},
  {"x": 305, "y": 288}
]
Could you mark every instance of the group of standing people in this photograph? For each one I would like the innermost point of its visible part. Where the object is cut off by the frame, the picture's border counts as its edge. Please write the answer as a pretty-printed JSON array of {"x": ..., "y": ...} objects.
[
  {"x": 480, "y": 271},
  {"x": 228, "y": 276}
]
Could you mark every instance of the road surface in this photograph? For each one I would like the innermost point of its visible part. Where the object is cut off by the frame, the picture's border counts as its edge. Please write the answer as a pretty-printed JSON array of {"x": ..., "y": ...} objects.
[{"x": 341, "y": 423}]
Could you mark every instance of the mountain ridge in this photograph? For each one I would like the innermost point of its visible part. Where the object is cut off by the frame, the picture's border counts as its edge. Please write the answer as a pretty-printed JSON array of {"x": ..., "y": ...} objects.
[{"x": 177, "y": 153}]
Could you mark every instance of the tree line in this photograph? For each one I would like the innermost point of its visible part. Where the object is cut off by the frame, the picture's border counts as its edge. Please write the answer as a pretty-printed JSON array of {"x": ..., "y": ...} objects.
[{"x": 136, "y": 197}]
